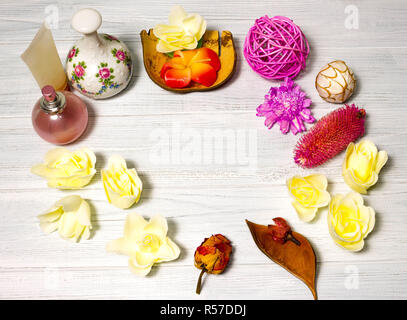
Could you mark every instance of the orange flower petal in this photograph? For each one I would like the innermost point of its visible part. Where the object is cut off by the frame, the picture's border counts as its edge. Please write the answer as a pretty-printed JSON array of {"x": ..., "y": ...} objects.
[
  {"x": 185, "y": 55},
  {"x": 206, "y": 55},
  {"x": 203, "y": 73},
  {"x": 178, "y": 78},
  {"x": 175, "y": 63}
]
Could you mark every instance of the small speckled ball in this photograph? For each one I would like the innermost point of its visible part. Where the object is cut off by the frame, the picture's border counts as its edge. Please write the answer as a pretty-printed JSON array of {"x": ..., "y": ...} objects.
[{"x": 335, "y": 82}]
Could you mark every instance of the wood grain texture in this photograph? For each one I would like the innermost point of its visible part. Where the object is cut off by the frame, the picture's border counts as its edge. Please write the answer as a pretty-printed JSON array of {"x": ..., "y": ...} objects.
[{"x": 215, "y": 189}]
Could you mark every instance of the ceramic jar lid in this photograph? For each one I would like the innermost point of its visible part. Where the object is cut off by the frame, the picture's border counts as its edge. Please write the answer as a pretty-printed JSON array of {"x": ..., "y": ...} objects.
[
  {"x": 98, "y": 65},
  {"x": 86, "y": 21}
]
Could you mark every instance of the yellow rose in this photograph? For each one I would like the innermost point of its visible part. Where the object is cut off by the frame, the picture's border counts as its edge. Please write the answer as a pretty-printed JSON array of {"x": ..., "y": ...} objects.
[
  {"x": 71, "y": 216},
  {"x": 67, "y": 170},
  {"x": 362, "y": 165},
  {"x": 183, "y": 32},
  {"x": 122, "y": 186},
  {"x": 349, "y": 221},
  {"x": 309, "y": 194},
  {"x": 146, "y": 243}
]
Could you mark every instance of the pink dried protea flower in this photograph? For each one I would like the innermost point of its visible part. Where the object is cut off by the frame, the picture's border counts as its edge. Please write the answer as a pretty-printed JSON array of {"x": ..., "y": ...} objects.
[
  {"x": 288, "y": 106},
  {"x": 329, "y": 136}
]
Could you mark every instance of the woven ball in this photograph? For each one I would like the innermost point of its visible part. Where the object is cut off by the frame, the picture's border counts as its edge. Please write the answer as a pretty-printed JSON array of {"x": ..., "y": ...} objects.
[{"x": 276, "y": 48}]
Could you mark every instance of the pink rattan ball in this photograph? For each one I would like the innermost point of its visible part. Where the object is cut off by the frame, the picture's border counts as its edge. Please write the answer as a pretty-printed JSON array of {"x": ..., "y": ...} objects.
[{"x": 276, "y": 48}]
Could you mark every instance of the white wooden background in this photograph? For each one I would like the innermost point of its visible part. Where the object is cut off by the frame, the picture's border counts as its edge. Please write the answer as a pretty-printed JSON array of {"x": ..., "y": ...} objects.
[{"x": 199, "y": 200}]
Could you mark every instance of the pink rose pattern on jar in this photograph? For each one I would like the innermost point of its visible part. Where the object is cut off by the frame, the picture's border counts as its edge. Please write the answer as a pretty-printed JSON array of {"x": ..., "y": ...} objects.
[
  {"x": 120, "y": 55},
  {"x": 79, "y": 71},
  {"x": 72, "y": 53},
  {"x": 106, "y": 77},
  {"x": 104, "y": 73},
  {"x": 110, "y": 38}
]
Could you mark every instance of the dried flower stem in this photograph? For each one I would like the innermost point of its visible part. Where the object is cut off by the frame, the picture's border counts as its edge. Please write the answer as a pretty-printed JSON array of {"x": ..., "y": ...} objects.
[
  {"x": 291, "y": 238},
  {"x": 199, "y": 284}
]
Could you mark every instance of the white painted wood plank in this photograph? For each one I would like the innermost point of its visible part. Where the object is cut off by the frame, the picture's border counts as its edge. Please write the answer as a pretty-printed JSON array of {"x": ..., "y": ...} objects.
[
  {"x": 268, "y": 281},
  {"x": 270, "y": 162},
  {"x": 382, "y": 23},
  {"x": 381, "y": 86},
  {"x": 193, "y": 215}
]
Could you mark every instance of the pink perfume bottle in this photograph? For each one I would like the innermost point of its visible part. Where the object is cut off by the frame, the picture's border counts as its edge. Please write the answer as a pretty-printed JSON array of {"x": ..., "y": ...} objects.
[{"x": 59, "y": 117}]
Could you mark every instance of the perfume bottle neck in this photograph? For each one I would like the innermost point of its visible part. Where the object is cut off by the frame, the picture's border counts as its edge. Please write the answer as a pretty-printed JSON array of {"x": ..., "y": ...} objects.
[{"x": 52, "y": 102}]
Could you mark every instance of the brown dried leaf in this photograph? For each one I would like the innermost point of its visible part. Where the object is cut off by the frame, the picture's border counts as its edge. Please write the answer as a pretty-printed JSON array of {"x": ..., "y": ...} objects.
[{"x": 299, "y": 260}]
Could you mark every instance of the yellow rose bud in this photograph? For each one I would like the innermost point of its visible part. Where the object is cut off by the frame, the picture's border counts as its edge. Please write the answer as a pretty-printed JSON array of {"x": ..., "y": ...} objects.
[
  {"x": 183, "y": 32},
  {"x": 71, "y": 216},
  {"x": 122, "y": 186},
  {"x": 362, "y": 165},
  {"x": 309, "y": 194},
  {"x": 349, "y": 221},
  {"x": 67, "y": 170},
  {"x": 146, "y": 243}
]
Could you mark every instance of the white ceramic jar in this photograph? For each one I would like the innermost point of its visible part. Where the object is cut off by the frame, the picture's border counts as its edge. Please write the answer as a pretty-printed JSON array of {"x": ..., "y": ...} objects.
[{"x": 98, "y": 65}]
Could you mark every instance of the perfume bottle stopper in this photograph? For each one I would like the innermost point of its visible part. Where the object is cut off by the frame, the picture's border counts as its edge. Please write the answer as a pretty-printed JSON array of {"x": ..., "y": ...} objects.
[{"x": 48, "y": 93}]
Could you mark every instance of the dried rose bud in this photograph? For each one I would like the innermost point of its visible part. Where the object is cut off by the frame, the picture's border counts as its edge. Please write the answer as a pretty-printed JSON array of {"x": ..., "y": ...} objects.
[
  {"x": 281, "y": 231},
  {"x": 212, "y": 256}
]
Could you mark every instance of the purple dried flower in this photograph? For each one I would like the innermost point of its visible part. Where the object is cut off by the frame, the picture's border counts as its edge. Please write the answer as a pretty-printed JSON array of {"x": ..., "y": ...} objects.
[{"x": 288, "y": 106}]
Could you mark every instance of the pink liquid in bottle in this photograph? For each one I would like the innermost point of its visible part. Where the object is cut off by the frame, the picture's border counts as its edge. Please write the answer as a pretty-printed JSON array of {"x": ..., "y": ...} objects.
[{"x": 59, "y": 117}]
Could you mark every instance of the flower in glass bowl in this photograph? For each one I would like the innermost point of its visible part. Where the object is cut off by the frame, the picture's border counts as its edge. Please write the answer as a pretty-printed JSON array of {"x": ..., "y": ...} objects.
[
  {"x": 350, "y": 221},
  {"x": 146, "y": 243},
  {"x": 183, "y": 31},
  {"x": 64, "y": 169},
  {"x": 287, "y": 106},
  {"x": 71, "y": 216},
  {"x": 122, "y": 186},
  {"x": 362, "y": 165}
]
